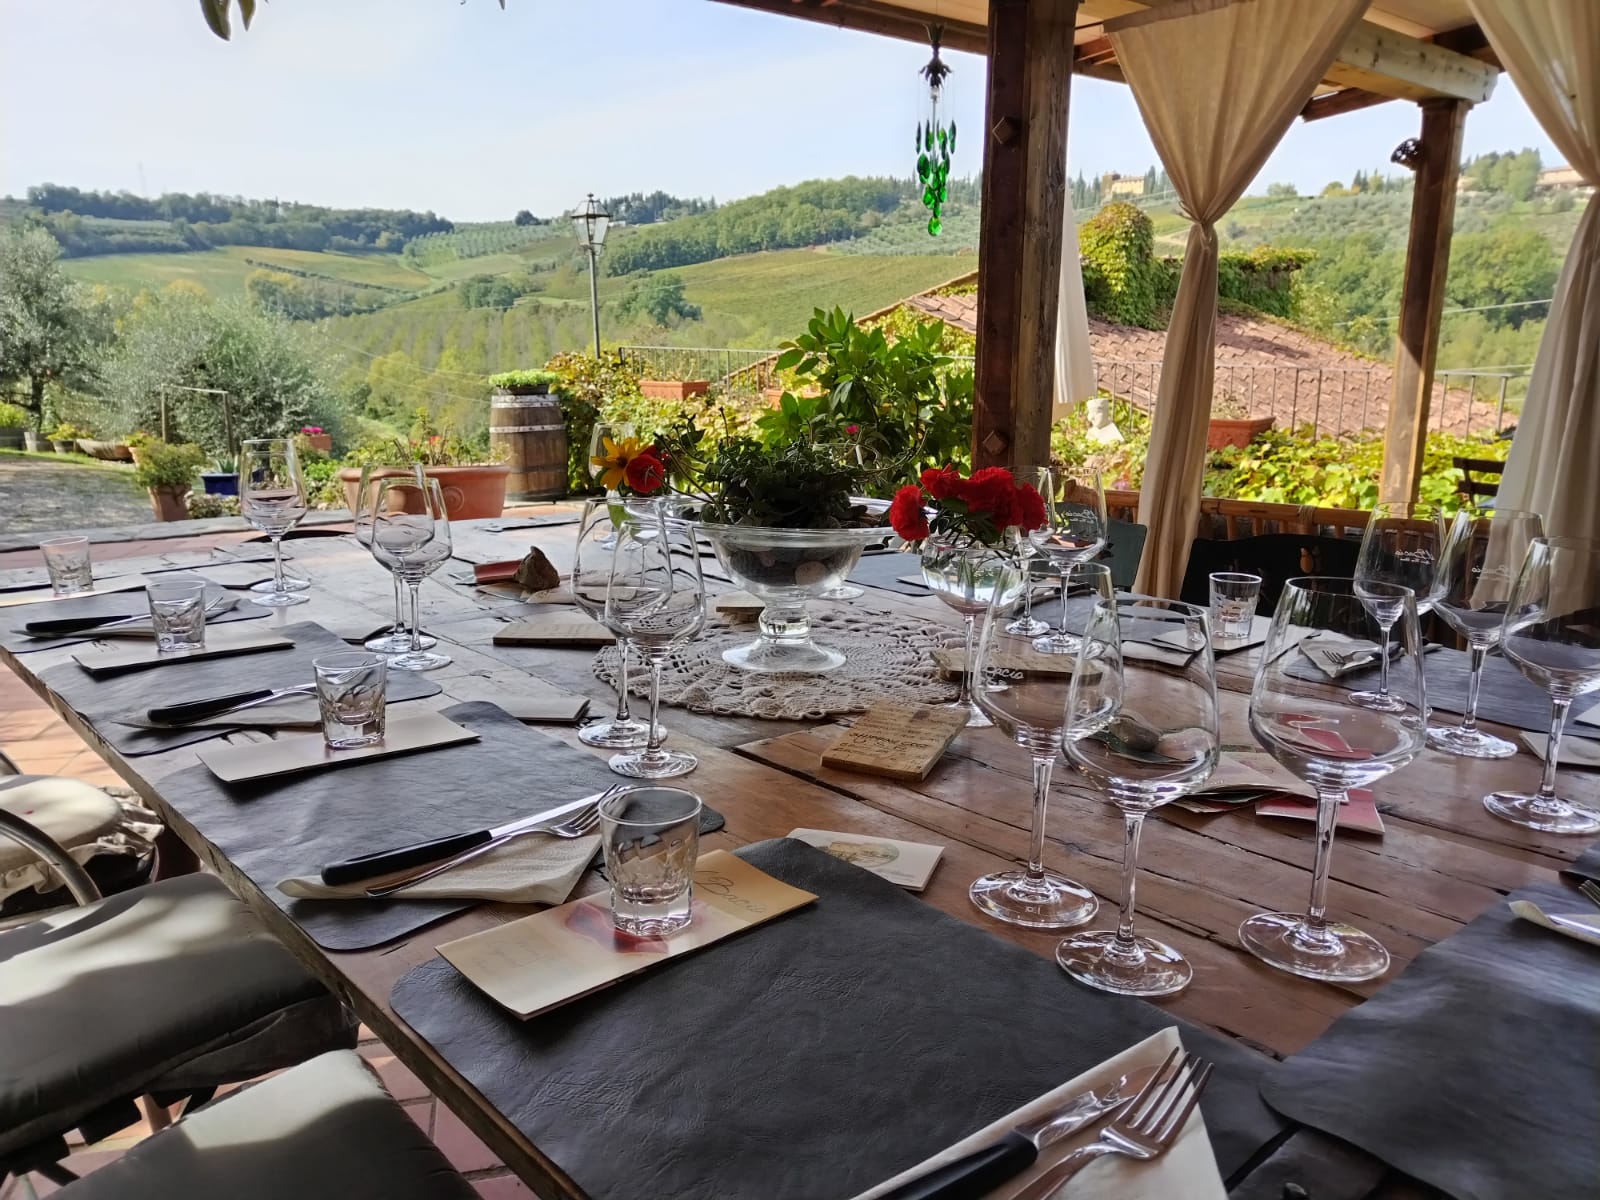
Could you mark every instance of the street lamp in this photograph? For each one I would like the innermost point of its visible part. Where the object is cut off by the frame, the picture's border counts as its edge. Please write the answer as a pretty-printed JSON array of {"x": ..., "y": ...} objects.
[{"x": 590, "y": 225}]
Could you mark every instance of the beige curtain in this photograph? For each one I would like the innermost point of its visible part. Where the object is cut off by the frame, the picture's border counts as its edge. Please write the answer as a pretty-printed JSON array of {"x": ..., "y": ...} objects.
[
  {"x": 1551, "y": 50},
  {"x": 1218, "y": 82},
  {"x": 1074, "y": 363}
]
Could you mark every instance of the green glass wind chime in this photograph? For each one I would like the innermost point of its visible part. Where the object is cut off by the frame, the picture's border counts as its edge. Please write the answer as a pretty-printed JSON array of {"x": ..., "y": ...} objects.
[{"x": 935, "y": 142}]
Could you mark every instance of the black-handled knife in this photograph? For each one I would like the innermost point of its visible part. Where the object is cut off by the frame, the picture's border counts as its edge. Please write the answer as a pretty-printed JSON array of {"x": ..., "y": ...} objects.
[
  {"x": 63, "y": 626},
  {"x": 190, "y": 711}
]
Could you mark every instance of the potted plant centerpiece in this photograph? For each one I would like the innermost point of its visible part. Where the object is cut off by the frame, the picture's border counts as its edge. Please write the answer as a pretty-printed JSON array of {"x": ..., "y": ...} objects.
[
  {"x": 64, "y": 437},
  {"x": 13, "y": 424},
  {"x": 473, "y": 484},
  {"x": 1231, "y": 423},
  {"x": 168, "y": 473},
  {"x": 223, "y": 477}
]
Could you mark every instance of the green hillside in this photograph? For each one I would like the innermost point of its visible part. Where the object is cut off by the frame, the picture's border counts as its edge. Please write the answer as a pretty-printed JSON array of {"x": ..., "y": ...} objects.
[{"x": 223, "y": 271}]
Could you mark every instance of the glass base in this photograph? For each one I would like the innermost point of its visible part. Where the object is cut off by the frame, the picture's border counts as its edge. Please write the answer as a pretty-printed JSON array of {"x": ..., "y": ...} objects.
[
  {"x": 845, "y": 591},
  {"x": 784, "y": 658},
  {"x": 1144, "y": 968},
  {"x": 669, "y": 764},
  {"x": 1027, "y": 627},
  {"x": 641, "y": 919},
  {"x": 1377, "y": 701},
  {"x": 291, "y": 583},
  {"x": 1469, "y": 743},
  {"x": 1340, "y": 954},
  {"x": 1058, "y": 643},
  {"x": 1546, "y": 815},
  {"x": 976, "y": 717},
  {"x": 398, "y": 643},
  {"x": 422, "y": 660},
  {"x": 1053, "y": 902},
  {"x": 273, "y": 599},
  {"x": 617, "y": 735}
]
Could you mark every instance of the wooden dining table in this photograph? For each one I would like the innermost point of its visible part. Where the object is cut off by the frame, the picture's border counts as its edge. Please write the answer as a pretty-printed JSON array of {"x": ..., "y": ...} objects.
[{"x": 1441, "y": 860}]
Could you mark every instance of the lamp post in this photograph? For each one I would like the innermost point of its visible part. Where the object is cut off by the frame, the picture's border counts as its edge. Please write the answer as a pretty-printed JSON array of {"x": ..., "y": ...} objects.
[{"x": 590, "y": 225}]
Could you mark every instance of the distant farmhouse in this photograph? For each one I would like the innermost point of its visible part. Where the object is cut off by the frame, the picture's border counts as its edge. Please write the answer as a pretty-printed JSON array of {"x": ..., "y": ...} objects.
[
  {"x": 1560, "y": 179},
  {"x": 1116, "y": 187}
]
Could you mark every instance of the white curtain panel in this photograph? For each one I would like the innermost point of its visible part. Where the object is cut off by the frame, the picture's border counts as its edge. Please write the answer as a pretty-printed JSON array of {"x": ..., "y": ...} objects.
[
  {"x": 1074, "y": 362},
  {"x": 1551, "y": 50},
  {"x": 1217, "y": 82}
]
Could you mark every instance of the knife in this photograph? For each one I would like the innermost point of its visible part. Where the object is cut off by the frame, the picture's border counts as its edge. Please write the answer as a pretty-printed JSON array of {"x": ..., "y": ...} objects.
[
  {"x": 66, "y": 626},
  {"x": 977, "y": 1174},
  {"x": 191, "y": 711},
  {"x": 385, "y": 862}
]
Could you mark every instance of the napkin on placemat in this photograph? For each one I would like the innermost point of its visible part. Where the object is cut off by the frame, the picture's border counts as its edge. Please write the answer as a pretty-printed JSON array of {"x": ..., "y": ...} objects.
[
  {"x": 1584, "y": 926},
  {"x": 532, "y": 869},
  {"x": 110, "y": 606}
]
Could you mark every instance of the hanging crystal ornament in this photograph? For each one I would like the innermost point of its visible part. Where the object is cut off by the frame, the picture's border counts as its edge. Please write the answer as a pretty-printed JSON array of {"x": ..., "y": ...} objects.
[{"x": 935, "y": 142}]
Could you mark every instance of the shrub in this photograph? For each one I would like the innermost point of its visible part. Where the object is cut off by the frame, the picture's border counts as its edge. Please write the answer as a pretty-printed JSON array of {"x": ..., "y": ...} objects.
[
  {"x": 13, "y": 416},
  {"x": 166, "y": 466},
  {"x": 588, "y": 384},
  {"x": 202, "y": 505},
  {"x": 1120, "y": 273},
  {"x": 68, "y": 432}
]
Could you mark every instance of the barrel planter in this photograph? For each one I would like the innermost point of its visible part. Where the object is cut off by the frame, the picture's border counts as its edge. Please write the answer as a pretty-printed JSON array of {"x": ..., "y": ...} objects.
[
  {"x": 469, "y": 492},
  {"x": 529, "y": 432}
]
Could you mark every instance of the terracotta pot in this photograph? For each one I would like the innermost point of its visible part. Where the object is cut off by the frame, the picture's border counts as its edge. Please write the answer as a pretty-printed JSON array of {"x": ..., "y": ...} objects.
[
  {"x": 1235, "y": 431},
  {"x": 673, "y": 389},
  {"x": 109, "y": 451},
  {"x": 469, "y": 492},
  {"x": 168, "y": 503},
  {"x": 320, "y": 441}
]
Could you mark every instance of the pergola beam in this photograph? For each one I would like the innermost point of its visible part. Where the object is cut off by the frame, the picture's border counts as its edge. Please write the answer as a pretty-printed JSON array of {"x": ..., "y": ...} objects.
[
  {"x": 1392, "y": 64},
  {"x": 874, "y": 16}
]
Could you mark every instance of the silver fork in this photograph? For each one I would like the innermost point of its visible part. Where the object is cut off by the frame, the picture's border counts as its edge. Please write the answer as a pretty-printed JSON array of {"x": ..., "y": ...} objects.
[
  {"x": 1591, "y": 889},
  {"x": 1144, "y": 1129}
]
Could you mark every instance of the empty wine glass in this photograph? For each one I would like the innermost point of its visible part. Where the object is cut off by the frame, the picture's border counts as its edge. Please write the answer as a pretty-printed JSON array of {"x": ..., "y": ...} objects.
[
  {"x": 971, "y": 578},
  {"x": 1037, "y": 478},
  {"x": 1313, "y": 730},
  {"x": 1478, "y": 567},
  {"x": 1145, "y": 734},
  {"x": 591, "y": 580},
  {"x": 272, "y": 497},
  {"x": 411, "y": 534},
  {"x": 1552, "y": 635},
  {"x": 397, "y": 640},
  {"x": 1400, "y": 545},
  {"x": 656, "y": 597},
  {"x": 1074, "y": 531},
  {"x": 611, "y": 444},
  {"x": 1031, "y": 709},
  {"x": 851, "y": 454}
]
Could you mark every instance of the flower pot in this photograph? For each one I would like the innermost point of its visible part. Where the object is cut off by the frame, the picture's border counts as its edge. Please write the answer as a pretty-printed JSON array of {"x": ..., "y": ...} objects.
[
  {"x": 220, "y": 483},
  {"x": 168, "y": 503},
  {"x": 673, "y": 389},
  {"x": 320, "y": 441},
  {"x": 64, "y": 447},
  {"x": 109, "y": 451},
  {"x": 469, "y": 492},
  {"x": 11, "y": 437},
  {"x": 1235, "y": 431},
  {"x": 32, "y": 441}
]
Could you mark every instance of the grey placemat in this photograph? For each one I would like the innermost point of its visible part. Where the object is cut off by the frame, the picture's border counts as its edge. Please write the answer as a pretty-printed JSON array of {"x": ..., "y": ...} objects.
[
  {"x": 853, "y": 1038},
  {"x": 1477, "y": 1071},
  {"x": 1585, "y": 866},
  {"x": 108, "y": 605},
  {"x": 886, "y": 570},
  {"x": 102, "y": 701}
]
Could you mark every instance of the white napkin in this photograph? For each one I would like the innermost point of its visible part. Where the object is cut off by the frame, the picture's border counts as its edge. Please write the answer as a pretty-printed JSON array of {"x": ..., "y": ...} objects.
[
  {"x": 1187, "y": 1171},
  {"x": 1575, "y": 751},
  {"x": 1581, "y": 927},
  {"x": 1328, "y": 653},
  {"x": 533, "y": 869}
]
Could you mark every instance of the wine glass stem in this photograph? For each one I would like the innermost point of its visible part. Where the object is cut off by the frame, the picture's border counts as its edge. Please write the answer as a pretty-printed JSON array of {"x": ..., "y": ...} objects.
[
  {"x": 399, "y": 611},
  {"x": 623, "y": 715},
  {"x": 277, "y": 564},
  {"x": 415, "y": 586},
  {"x": 1383, "y": 664},
  {"x": 964, "y": 700},
  {"x": 1132, "y": 825},
  {"x": 1066, "y": 569},
  {"x": 1043, "y": 764},
  {"x": 1027, "y": 595},
  {"x": 1477, "y": 655},
  {"x": 1327, "y": 822},
  {"x": 1547, "y": 780},
  {"x": 652, "y": 750}
]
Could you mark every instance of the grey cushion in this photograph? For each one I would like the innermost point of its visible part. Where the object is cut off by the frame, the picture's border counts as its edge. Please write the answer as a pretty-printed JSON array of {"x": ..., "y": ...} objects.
[
  {"x": 99, "y": 1003},
  {"x": 322, "y": 1131}
]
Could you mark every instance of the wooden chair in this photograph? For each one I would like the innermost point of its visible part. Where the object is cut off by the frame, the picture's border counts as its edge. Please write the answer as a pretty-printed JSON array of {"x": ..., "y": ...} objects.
[{"x": 1473, "y": 490}]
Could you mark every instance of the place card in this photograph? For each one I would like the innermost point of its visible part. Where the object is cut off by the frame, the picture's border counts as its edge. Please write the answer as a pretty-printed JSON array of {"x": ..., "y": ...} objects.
[
  {"x": 44, "y": 594},
  {"x": 309, "y": 752},
  {"x": 1359, "y": 814},
  {"x": 551, "y": 958},
  {"x": 908, "y": 864},
  {"x": 565, "y": 629},
  {"x": 220, "y": 643},
  {"x": 897, "y": 741},
  {"x": 1575, "y": 751},
  {"x": 952, "y": 662}
]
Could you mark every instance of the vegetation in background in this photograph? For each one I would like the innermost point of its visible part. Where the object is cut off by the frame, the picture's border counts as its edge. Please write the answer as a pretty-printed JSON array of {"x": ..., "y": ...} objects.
[
  {"x": 658, "y": 298},
  {"x": 50, "y": 330},
  {"x": 163, "y": 465}
]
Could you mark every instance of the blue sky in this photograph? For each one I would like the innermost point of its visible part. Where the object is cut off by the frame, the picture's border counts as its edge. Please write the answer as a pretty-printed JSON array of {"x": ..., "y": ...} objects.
[{"x": 475, "y": 112}]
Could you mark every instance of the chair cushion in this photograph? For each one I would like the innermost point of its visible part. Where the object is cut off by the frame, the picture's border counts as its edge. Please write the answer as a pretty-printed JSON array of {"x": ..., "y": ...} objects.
[
  {"x": 98, "y": 1002},
  {"x": 69, "y": 810},
  {"x": 1276, "y": 557},
  {"x": 325, "y": 1130}
]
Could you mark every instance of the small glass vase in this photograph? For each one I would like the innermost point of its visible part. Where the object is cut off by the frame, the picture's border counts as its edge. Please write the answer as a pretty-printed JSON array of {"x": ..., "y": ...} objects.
[{"x": 970, "y": 576}]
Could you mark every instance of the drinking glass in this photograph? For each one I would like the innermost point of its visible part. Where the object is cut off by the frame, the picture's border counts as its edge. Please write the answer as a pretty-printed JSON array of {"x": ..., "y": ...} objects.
[
  {"x": 606, "y": 439},
  {"x": 1477, "y": 568},
  {"x": 651, "y": 838},
  {"x": 1144, "y": 734},
  {"x": 178, "y": 614},
  {"x": 850, "y": 454},
  {"x": 970, "y": 577},
  {"x": 657, "y": 598},
  {"x": 1032, "y": 710},
  {"x": 272, "y": 497},
  {"x": 1400, "y": 546},
  {"x": 1074, "y": 531},
  {"x": 1037, "y": 478},
  {"x": 350, "y": 695},
  {"x": 396, "y": 641},
  {"x": 1552, "y": 635},
  {"x": 1313, "y": 730},
  {"x": 591, "y": 580},
  {"x": 67, "y": 561},
  {"x": 1233, "y": 603},
  {"x": 411, "y": 533}
]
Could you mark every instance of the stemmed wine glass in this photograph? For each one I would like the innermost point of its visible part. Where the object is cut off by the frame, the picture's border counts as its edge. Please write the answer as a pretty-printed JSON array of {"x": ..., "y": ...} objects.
[
  {"x": 396, "y": 641},
  {"x": 1552, "y": 635},
  {"x": 272, "y": 497},
  {"x": 1074, "y": 531},
  {"x": 411, "y": 535},
  {"x": 1026, "y": 623},
  {"x": 1032, "y": 710},
  {"x": 656, "y": 597},
  {"x": 1145, "y": 734},
  {"x": 609, "y": 443},
  {"x": 591, "y": 580},
  {"x": 1315, "y": 732},
  {"x": 971, "y": 578},
  {"x": 1401, "y": 546},
  {"x": 1477, "y": 568}
]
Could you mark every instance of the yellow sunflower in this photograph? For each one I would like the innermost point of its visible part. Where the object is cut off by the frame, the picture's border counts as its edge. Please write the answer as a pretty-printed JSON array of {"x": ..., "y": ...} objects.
[{"x": 613, "y": 463}]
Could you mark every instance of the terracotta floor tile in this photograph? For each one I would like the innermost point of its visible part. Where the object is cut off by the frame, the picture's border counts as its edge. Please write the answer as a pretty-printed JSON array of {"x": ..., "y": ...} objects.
[
  {"x": 421, "y": 1111},
  {"x": 459, "y": 1144},
  {"x": 401, "y": 1083}
]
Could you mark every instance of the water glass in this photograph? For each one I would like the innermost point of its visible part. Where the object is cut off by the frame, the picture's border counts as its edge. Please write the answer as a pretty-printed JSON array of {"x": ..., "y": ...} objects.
[
  {"x": 651, "y": 838},
  {"x": 350, "y": 695},
  {"x": 1233, "y": 603},
  {"x": 178, "y": 614},
  {"x": 67, "y": 560}
]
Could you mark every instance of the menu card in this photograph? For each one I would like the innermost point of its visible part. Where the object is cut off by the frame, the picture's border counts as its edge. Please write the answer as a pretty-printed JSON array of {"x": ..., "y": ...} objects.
[
  {"x": 544, "y": 961},
  {"x": 908, "y": 864}
]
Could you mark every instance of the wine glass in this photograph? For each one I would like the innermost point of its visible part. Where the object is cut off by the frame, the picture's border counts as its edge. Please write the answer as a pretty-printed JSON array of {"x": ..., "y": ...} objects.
[
  {"x": 1477, "y": 568},
  {"x": 1145, "y": 734},
  {"x": 591, "y": 579},
  {"x": 411, "y": 535},
  {"x": 656, "y": 597},
  {"x": 396, "y": 641},
  {"x": 1074, "y": 531},
  {"x": 1400, "y": 545},
  {"x": 609, "y": 446},
  {"x": 1552, "y": 635},
  {"x": 971, "y": 578},
  {"x": 1032, "y": 710},
  {"x": 272, "y": 497},
  {"x": 1037, "y": 478},
  {"x": 1313, "y": 730},
  {"x": 849, "y": 454}
]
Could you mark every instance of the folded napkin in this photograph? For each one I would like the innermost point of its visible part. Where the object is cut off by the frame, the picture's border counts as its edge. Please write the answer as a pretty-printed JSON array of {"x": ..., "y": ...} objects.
[
  {"x": 1582, "y": 927},
  {"x": 527, "y": 870},
  {"x": 1185, "y": 1172},
  {"x": 1335, "y": 656}
]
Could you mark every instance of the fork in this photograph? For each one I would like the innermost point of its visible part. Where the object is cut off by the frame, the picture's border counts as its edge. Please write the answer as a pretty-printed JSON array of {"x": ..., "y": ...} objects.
[
  {"x": 1591, "y": 889},
  {"x": 1144, "y": 1129}
]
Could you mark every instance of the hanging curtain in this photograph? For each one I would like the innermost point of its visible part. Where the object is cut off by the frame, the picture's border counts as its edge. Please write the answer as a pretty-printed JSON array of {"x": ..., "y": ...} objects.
[
  {"x": 1217, "y": 82},
  {"x": 1551, "y": 50},
  {"x": 1074, "y": 381}
]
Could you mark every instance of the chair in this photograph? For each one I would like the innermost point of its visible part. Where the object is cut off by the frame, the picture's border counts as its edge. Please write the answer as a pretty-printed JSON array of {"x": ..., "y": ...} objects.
[
  {"x": 1473, "y": 490},
  {"x": 1276, "y": 557},
  {"x": 1124, "y": 551},
  {"x": 114, "y": 843}
]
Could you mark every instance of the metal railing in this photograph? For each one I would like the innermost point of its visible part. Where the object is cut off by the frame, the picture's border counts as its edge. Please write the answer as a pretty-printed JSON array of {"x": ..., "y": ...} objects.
[{"x": 735, "y": 372}]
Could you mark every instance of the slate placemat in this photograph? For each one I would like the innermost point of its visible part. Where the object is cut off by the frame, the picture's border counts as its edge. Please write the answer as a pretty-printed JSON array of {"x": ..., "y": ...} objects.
[
  {"x": 108, "y": 605},
  {"x": 1585, "y": 866},
  {"x": 1476, "y": 1071},
  {"x": 885, "y": 571},
  {"x": 854, "y": 1038},
  {"x": 102, "y": 701}
]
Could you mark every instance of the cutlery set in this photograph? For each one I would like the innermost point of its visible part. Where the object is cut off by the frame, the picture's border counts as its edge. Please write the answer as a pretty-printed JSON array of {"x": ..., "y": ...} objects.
[{"x": 56, "y": 627}]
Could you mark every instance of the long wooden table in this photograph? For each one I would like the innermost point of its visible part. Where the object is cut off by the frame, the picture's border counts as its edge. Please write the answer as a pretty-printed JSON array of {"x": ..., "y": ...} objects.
[{"x": 1442, "y": 860}]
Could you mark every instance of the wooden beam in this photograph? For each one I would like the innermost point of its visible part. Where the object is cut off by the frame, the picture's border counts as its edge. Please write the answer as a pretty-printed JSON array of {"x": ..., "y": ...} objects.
[
  {"x": 1433, "y": 210},
  {"x": 874, "y": 16},
  {"x": 1019, "y": 246},
  {"x": 1344, "y": 100},
  {"x": 1391, "y": 64}
]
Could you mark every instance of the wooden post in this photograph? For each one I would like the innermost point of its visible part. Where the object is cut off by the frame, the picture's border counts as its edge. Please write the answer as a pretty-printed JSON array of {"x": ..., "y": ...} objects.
[
  {"x": 1433, "y": 210},
  {"x": 1019, "y": 246}
]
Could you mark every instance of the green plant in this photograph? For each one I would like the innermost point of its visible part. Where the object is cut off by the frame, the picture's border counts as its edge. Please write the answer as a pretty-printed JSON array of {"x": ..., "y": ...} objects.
[
  {"x": 534, "y": 379},
  {"x": 1120, "y": 274},
  {"x": 225, "y": 464},
  {"x": 139, "y": 439},
  {"x": 428, "y": 443},
  {"x": 68, "y": 432},
  {"x": 1228, "y": 407},
  {"x": 796, "y": 486},
  {"x": 13, "y": 416},
  {"x": 202, "y": 506},
  {"x": 586, "y": 385},
  {"x": 166, "y": 466}
]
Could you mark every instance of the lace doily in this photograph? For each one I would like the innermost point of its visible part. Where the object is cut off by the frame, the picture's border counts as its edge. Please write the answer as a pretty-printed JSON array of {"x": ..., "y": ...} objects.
[{"x": 887, "y": 657}]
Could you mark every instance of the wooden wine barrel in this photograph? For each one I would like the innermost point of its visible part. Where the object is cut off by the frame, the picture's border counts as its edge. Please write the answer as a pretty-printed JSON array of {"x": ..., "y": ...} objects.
[{"x": 532, "y": 434}]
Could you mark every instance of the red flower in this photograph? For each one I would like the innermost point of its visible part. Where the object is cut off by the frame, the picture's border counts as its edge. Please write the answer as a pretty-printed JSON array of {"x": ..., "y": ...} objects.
[
  {"x": 644, "y": 473},
  {"x": 942, "y": 482},
  {"x": 906, "y": 516},
  {"x": 992, "y": 491},
  {"x": 1030, "y": 508}
]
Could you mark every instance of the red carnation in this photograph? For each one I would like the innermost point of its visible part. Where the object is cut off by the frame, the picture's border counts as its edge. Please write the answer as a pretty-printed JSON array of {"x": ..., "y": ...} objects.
[
  {"x": 942, "y": 482},
  {"x": 1029, "y": 508},
  {"x": 992, "y": 491},
  {"x": 644, "y": 473},
  {"x": 906, "y": 516}
]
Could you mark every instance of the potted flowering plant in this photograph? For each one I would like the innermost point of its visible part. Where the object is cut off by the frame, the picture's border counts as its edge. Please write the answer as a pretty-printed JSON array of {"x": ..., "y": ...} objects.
[
  {"x": 168, "y": 474},
  {"x": 316, "y": 438},
  {"x": 64, "y": 437},
  {"x": 473, "y": 484}
]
